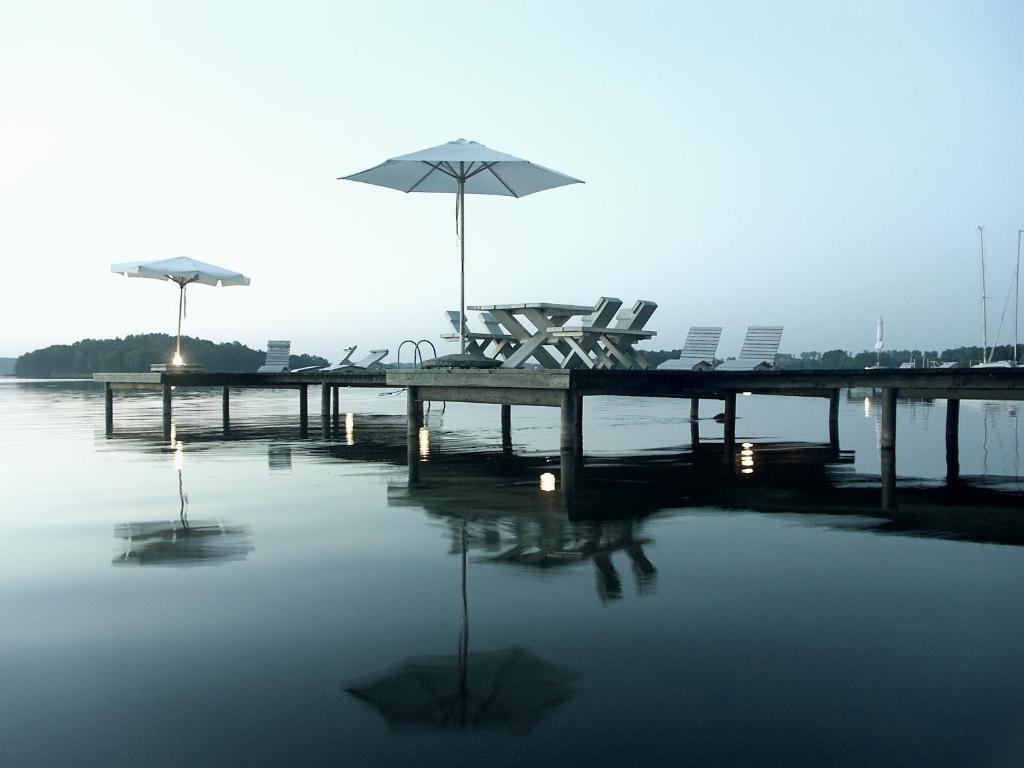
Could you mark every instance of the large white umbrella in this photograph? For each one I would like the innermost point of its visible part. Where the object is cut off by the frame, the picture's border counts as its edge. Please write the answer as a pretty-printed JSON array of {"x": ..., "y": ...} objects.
[
  {"x": 463, "y": 167},
  {"x": 183, "y": 271}
]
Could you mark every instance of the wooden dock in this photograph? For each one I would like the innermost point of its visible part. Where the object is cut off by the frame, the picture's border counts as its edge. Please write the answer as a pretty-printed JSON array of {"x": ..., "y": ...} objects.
[{"x": 566, "y": 390}]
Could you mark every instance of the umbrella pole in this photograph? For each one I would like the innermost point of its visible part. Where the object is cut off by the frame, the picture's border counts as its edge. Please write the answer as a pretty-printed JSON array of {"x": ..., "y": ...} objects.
[
  {"x": 181, "y": 304},
  {"x": 462, "y": 265}
]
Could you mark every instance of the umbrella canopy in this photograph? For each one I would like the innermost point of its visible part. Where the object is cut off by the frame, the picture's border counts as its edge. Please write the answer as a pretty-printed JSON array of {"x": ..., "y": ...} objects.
[
  {"x": 183, "y": 271},
  {"x": 463, "y": 167},
  {"x": 511, "y": 689}
]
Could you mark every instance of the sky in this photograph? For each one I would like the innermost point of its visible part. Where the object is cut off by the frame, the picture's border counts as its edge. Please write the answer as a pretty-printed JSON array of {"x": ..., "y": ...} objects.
[{"x": 813, "y": 165}]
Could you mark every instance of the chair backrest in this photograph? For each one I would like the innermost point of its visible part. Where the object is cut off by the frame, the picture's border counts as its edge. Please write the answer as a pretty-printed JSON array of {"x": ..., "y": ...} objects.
[
  {"x": 604, "y": 312},
  {"x": 453, "y": 320},
  {"x": 761, "y": 342},
  {"x": 277, "y": 353},
  {"x": 492, "y": 325},
  {"x": 636, "y": 318},
  {"x": 346, "y": 354},
  {"x": 702, "y": 342},
  {"x": 374, "y": 356}
]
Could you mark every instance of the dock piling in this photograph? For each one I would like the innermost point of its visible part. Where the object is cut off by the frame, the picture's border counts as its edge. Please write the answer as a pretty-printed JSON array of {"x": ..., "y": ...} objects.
[
  {"x": 303, "y": 408},
  {"x": 952, "y": 441},
  {"x": 506, "y": 427},
  {"x": 108, "y": 396},
  {"x": 729, "y": 437},
  {"x": 167, "y": 390},
  {"x": 833, "y": 419},
  {"x": 887, "y": 447}
]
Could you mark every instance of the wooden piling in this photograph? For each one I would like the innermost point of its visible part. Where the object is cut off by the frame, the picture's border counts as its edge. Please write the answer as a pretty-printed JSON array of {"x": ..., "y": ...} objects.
[
  {"x": 335, "y": 404},
  {"x": 887, "y": 448},
  {"x": 571, "y": 427},
  {"x": 695, "y": 421},
  {"x": 729, "y": 437},
  {"x": 952, "y": 441},
  {"x": 506, "y": 427},
  {"x": 833, "y": 419},
  {"x": 325, "y": 402},
  {"x": 303, "y": 406},
  {"x": 108, "y": 396},
  {"x": 167, "y": 390}
]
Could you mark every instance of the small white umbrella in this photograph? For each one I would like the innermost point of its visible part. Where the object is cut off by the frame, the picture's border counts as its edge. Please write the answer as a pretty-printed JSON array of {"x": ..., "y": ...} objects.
[
  {"x": 463, "y": 167},
  {"x": 182, "y": 271}
]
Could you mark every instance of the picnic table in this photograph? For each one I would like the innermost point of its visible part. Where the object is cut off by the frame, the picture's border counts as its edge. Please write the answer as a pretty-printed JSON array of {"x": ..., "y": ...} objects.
[{"x": 563, "y": 335}]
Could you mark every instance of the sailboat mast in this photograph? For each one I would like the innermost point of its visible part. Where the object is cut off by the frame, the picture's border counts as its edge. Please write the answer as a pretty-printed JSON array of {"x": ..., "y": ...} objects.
[
  {"x": 1016, "y": 300},
  {"x": 984, "y": 298}
]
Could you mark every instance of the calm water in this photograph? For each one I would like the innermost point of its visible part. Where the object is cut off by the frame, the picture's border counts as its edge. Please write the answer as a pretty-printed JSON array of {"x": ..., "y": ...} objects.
[{"x": 268, "y": 598}]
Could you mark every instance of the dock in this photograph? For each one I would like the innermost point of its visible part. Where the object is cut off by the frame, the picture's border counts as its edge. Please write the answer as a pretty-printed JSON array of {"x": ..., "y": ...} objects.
[{"x": 567, "y": 390}]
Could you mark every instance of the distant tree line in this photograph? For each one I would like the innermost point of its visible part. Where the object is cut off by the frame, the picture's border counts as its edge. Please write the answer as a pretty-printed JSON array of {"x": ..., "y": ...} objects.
[
  {"x": 136, "y": 353},
  {"x": 840, "y": 358}
]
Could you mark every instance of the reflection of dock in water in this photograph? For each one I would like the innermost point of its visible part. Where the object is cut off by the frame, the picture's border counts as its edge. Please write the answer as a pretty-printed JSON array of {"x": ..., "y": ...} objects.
[{"x": 182, "y": 543}]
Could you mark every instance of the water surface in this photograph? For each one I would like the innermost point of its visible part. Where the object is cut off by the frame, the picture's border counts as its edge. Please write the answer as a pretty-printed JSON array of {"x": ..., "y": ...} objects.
[{"x": 264, "y": 597}]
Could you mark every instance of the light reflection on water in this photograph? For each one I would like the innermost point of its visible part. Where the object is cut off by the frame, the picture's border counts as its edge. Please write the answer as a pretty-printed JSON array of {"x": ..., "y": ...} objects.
[{"x": 654, "y": 619}]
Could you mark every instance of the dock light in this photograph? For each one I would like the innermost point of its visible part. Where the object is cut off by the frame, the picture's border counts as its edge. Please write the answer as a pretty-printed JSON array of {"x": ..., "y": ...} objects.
[
  {"x": 747, "y": 471},
  {"x": 747, "y": 446},
  {"x": 547, "y": 482},
  {"x": 747, "y": 394},
  {"x": 424, "y": 443},
  {"x": 747, "y": 452},
  {"x": 350, "y": 434},
  {"x": 177, "y": 359},
  {"x": 747, "y": 461}
]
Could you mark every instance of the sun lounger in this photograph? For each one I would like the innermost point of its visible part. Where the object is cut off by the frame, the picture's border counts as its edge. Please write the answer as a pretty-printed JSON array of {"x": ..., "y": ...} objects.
[
  {"x": 277, "y": 357},
  {"x": 760, "y": 346},
  {"x": 943, "y": 366},
  {"x": 698, "y": 350},
  {"x": 371, "y": 362},
  {"x": 347, "y": 353},
  {"x": 609, "y": 346},
  {"x": 345, "y": 360},
  {"x": 494, "y": 341}
]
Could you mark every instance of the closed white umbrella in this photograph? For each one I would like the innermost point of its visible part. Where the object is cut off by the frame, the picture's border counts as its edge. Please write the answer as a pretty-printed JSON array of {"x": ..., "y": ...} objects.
[
  {"x": 183, "y": 271},
  {"x": 463, "y": 167}
]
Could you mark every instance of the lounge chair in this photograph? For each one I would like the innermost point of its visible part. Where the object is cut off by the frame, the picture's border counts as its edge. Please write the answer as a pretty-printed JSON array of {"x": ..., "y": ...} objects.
[
  {"x": 370, "y": 362},
  {"x": 943, "y": 366},
  {"x": 698, "y": 350},
  {"x": 760, "y": 346},
  {"x": 604, "y": 346},
  {"x": 277, "y": 357},
  {"x": 346, "y": 354},
  {"x": 495, "y": 340}
]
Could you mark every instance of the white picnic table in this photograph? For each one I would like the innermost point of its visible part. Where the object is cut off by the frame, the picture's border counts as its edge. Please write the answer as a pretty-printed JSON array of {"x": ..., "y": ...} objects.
[
  {"x": 533, "y": 335},
  {"x": 568, "y": 335}
]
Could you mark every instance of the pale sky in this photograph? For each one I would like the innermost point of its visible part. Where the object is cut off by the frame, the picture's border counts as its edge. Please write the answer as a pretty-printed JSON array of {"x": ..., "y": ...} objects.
[{"x": 808, "y": 164}]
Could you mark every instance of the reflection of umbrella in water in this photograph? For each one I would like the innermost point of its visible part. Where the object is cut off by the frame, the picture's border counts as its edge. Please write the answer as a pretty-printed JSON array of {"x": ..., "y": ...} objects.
[
  {"x": 511, "y": 689},
  {"x": 181, "y": 542},
  {"x": 183, "y": 271}
]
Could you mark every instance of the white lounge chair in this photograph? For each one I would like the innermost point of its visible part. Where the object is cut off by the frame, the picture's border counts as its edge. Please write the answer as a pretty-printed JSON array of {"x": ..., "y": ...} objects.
[
  {"x": 370, "y": 362},
  {"x": 943, "y": 366},
  {"x": 347, "y": 353},
  {"x": 277, "y": 357},
  {"x": 698, "y": 350},
  {"x": 494, "y": 341},
  {"x": 760, "y": 346},
  {"x": 343, "y": 361}
]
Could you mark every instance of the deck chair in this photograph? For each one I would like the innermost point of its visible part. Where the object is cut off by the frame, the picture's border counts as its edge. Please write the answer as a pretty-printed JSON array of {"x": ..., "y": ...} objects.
[
  {"x": 609, "y": 346},
  {"x": 346, "y": 354},
  {"x": 495, "y": 340},
  {"x": 760, "y": 346},
  {"x": 343, "y": 361},
  {"x": 370, "y": 362},
  {"x": 277, "y": 357},
  {"x": 698, "y": 350}
]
